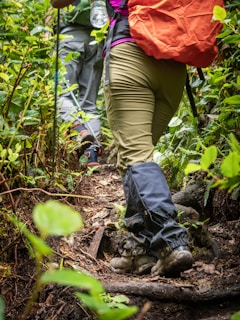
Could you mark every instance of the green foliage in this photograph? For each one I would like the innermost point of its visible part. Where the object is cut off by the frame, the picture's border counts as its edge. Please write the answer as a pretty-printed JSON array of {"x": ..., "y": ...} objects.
[
  {"x": 55, "y": 219},
  {"x": 26, "y": 72},
  {"x": 107, "y": 310},
  {"x": 100, "y": 34},
  {"x": 74, "y": 279},
  {"x": 58, "y": 219},
  {"x": 229, "y": 167},
  {"x": 236, "y": 316},
  {"x": 219, "y": 13},
  {"x": 27, "y": 96},
  {"x": 191, "y": 144},
  {"x": 27, "y": 69},
  {"x": 2, "y": 309},
  {"x": 104, "y": 306}
]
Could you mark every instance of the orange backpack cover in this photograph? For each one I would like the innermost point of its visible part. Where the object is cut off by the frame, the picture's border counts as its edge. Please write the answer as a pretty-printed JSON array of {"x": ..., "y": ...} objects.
[{"x": 182, "y": 30}]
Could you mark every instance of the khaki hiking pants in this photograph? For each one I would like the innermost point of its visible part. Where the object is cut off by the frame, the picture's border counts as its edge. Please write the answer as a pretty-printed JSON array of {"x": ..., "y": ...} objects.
[{"x": 142, "y": 97}]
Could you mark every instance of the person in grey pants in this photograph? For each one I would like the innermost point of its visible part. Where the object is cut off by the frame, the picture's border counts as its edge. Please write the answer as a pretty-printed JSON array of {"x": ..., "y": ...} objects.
[{"x": 85, "y": 70}]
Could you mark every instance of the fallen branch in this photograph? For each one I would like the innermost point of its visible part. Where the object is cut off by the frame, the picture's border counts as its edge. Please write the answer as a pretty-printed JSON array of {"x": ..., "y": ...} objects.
[
  {"x": 168, "y": 292},
  {"x": 192, "y": 196}
]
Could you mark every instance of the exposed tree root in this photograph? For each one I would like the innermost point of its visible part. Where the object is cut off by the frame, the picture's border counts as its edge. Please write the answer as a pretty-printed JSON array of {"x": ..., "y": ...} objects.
[{"x": 173, "y": 293}]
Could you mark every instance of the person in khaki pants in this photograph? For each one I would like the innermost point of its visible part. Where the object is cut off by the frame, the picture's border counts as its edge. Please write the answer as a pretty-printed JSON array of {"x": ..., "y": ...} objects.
[
  {"x": 141, "y": 96},
  {"x": 85, "y": 71}
]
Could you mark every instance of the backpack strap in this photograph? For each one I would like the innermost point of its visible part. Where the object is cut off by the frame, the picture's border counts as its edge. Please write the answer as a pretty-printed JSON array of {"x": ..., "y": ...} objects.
[{"x": 115, "y": 16}]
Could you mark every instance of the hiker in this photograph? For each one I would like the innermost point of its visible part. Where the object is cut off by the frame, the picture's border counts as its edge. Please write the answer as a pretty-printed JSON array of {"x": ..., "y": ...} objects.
[
  {"x": 141, "y": 96},
  {"x": 86, "y": 72}
]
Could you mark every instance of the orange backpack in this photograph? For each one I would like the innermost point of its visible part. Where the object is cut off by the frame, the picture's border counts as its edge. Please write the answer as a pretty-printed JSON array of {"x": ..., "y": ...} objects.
[{"x": 182, "y": 30}]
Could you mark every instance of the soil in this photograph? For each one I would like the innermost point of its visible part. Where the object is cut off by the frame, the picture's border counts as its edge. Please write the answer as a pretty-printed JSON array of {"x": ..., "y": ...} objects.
[{"x": 210, "y": 290}]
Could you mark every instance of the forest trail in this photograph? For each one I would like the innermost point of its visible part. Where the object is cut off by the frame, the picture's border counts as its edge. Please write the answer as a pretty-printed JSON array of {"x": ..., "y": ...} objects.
[{"x": 208, "y": 291}]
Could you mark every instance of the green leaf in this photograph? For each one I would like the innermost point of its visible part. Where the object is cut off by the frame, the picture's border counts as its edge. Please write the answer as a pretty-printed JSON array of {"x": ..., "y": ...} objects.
[
  {"x": 231, "y": 183},
  {"x": 236, "y": 316},
  {"x": 72, "y": 278},
  {"x": 2, "y": 309},
  {"x": 233, "y": 100},
  {"x": 235, "y": 39},
  {"x": 120, "y": 299},
  {"x": 37, "y": 29},
  {"x": 230, "y": 166},
  {"x": 72, "y": 55},
  {"x": 94, "y": 303},
  {"x": 83, "y": 159},
  {"x": 18, "y": 147},
  {"x": 3, "y": 153},
  {"x": 106, "y": 310},
  {"x": 208, "y": 157},
  {"x": 234, "y": 143},
  {"x": 224, "y": 33},
  {"x": 219, "y": 13},
  {"x": 4, "y": 76},
  {"x": 55, "y": 218},
  {"x": 192, "y": 167},
  {"x": 175, "y": 122},
  {"x": 2, "y": 96},
  {"x": 31, "y": 117},
  {"x": 119, "y": 314},
  {"x": 12, "y": 156},
  {"x": 238, "y": 80},
  {"x": 38, "y": 244}
]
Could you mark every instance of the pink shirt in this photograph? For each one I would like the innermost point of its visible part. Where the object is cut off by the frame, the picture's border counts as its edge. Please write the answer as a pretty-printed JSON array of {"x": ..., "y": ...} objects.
[{"x": 115, "y": 4}]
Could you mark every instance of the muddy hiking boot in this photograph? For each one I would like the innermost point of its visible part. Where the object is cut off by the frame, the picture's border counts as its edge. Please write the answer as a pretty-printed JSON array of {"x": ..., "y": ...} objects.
[
  {"x": 173, "y": 262},
  {"x": 134, "y": 258},
  {"x": 152, "y": 214}
]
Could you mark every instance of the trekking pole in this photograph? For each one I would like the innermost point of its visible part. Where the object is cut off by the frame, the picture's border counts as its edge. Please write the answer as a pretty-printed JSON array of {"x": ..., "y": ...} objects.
[{"x": 55, "y": 95}]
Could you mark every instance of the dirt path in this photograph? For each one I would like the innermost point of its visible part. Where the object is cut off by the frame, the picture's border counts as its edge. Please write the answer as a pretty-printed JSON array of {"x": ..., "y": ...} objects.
[{"x": 210, "y": 290}]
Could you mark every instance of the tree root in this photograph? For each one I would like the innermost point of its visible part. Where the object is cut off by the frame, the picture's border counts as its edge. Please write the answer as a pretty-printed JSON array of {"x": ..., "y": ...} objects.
[{"x": 173, "y": 293}]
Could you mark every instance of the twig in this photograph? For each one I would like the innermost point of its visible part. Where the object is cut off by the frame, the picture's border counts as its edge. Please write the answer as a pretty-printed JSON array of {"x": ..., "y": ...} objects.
[
  {"x": 144, "y": 310},
  {"x": 46, "y": 192},
  {"x": 88, "y": 255},
  {"x": 8, "y": 191}
]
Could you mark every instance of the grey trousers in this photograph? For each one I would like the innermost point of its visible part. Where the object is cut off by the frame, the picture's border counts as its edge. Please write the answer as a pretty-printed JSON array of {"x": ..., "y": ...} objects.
[
  {"x": 85, "y": 71},
  {"x": 143, "y": 95}
]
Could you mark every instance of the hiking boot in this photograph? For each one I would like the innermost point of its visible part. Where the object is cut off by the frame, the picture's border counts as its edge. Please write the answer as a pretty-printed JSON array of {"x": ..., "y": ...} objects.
[
  {"x": 173, "y": 262},
  {"x": 92, "y": 154},
  {"x": 134, "y": 258},
  {"x": 81, "y": 135},
  {"x": 136, "y": 265}
]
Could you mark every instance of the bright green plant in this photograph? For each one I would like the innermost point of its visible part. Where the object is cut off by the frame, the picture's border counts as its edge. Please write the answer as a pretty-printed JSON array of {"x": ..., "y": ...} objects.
[
  {"x": 190, "y": 224},
  {"x": 225, "y": 173},
  {"x": 55, "y": 219},
  {"x": 217, "y": 100},
  {"x": 27, "y": 77}
]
